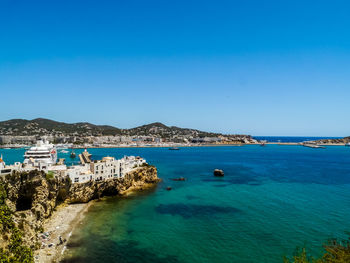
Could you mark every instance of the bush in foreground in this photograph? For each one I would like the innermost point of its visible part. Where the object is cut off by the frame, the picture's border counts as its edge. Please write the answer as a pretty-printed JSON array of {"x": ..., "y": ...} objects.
[
  {"x": 335, "y": 252},
  {"x": 16, "y": 251}
]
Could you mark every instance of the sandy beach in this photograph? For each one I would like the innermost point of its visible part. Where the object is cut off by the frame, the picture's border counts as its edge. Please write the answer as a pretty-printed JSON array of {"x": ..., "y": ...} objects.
[{"x": 60, "y": 224}]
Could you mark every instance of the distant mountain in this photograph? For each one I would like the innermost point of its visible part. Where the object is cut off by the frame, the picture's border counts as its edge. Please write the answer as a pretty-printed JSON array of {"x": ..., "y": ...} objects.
[
  {"x": 158, "y": 128},
  {"x": 42, "y": 126}
]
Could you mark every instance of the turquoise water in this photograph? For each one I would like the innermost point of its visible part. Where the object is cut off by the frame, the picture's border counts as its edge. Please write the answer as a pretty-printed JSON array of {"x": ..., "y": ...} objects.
[{"x": 271, "y": 200}]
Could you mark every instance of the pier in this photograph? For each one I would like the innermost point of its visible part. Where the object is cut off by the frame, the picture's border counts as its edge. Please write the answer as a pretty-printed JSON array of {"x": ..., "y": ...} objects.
[{"x": 314, "y": 146}]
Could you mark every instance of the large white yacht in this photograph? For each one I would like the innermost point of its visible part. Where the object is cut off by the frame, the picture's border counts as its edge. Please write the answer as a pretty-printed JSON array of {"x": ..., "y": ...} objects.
[{"x": 42, "y": 154}]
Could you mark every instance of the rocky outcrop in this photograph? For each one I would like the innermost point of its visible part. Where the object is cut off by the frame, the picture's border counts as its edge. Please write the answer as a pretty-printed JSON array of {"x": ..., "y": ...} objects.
[
  {"x": 138, "y": 178},
  {"x": 35, "y": 191},
  {"x": 33, "y": 196},
  {"x": 218, "y": 172},
  {"x": 344, "y": 140}
]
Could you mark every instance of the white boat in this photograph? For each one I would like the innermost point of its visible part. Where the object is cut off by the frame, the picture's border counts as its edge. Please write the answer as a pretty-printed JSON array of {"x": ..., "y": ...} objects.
[
  {"x": 63, "y": 146},
  {"x": 64, "y": 151},
  {"x": 43, "y": 153}
]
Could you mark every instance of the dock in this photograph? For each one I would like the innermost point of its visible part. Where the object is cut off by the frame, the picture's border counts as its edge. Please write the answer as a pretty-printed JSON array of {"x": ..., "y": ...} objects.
[{"x": 314, "y": 146}]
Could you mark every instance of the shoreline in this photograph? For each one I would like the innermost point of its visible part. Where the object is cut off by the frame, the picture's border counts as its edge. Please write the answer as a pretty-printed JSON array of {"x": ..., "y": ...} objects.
[
  {"x": 183, "y": 146},
  {"x": 189, "y": 146},
  {"x": 61, "y": 223}
]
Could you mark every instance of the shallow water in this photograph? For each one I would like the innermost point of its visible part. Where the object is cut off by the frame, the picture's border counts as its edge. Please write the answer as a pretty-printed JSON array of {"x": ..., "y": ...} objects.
[{"x": 271, "y": 200}]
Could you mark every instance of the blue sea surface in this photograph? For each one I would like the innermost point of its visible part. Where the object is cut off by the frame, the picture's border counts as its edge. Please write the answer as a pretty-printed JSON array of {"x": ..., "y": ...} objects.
[{"x": 271, "y": 200}]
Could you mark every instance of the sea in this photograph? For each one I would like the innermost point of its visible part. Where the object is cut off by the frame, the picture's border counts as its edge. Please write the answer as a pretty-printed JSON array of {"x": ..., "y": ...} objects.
[{"x": 271, "y": 201}]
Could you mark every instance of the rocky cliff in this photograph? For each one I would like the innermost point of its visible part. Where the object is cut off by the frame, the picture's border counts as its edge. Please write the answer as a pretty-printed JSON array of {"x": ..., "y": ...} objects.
[
  {"x": 31, "y": 197},
  {"x": 138, "y": 178}
]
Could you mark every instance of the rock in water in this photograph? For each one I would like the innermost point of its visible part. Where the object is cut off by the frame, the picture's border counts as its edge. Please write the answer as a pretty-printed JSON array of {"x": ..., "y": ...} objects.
[
  {"x": 218, "y": 172},
  {"x": 179, "y": 179}
]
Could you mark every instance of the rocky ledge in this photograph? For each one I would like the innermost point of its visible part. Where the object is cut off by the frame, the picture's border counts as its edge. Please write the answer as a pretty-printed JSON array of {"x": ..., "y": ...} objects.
[{"x": 136, "y": 179}]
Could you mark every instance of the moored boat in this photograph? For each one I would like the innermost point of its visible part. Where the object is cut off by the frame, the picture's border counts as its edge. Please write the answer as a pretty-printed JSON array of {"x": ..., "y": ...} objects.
[
  {"x": 174, "y": 148},
  {"x": 43, "y": 152},
  {"x": 72, "y": 154}
]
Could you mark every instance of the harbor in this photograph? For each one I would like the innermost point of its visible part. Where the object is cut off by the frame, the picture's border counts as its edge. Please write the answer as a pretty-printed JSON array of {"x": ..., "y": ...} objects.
[{"x": 43, "y": 157}]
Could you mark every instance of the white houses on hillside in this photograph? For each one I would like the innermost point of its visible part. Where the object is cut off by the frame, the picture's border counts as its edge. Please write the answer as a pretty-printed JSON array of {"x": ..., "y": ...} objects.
[
  {"x": 8, "y": 169},
  {"x": 80, "y": 173},
  {"x": 88, "y": 170},
  {"x": 104, "y": 169}
]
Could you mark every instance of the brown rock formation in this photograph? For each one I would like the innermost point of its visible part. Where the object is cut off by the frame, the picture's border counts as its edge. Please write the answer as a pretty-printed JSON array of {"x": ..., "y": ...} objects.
[{"x": 82, "y": 193}]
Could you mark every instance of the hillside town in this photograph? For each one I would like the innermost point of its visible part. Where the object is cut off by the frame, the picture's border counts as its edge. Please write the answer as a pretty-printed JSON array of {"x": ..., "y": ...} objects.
[
  {"x": 9, "y": 141},
  {"x": 43, "y": 157},
  {"x": 22, "y": 133}
]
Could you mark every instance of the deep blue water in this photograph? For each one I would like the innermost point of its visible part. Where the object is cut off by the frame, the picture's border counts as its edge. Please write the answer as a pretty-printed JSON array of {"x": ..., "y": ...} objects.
[
  {"x": 271, "y": 200},
  {"x": 291, "y": 138}
]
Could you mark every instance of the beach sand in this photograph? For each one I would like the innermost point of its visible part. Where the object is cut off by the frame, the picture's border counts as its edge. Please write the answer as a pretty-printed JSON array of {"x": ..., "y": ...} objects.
[{"x": 61, "y": 223}]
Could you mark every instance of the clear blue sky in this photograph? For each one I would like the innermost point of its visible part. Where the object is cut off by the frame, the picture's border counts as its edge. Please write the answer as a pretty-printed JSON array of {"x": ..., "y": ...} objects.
[{"x": 256, "y": 67}]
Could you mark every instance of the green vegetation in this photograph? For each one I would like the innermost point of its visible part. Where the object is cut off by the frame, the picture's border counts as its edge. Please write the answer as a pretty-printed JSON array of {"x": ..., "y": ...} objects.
[
  {"x": 42, "y": 126},
  {"x": 335, "y": 252},
  {"x": 165, "y": 132},
  {"x": 31, "y": 127},
  {"x": 15, "y": 252},
  {"x": 49, "y": 175}
]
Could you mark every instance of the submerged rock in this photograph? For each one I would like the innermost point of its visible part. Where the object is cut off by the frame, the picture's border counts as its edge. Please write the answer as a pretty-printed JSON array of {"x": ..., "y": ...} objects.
[
  {"x": 179, "y": 179},
  {"x": 218, "y": 172}
]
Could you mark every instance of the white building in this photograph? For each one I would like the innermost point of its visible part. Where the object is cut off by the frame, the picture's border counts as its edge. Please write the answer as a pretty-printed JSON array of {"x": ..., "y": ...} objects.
[
  {"x": 8, "y": 169},
  {"x": 88, "y": 170},
  {"x": 80, "y": 173},
  {"x": 106, "y": 168},
  {"x": 130, "y": 162}
]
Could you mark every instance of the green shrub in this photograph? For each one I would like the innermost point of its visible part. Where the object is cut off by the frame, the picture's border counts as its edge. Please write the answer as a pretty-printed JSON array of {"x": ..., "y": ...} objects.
[
  {"x": 300, "y": 257},
  {"x": 49, "y": 175},
  {"x": 16, "y": 252},
  {"x": 335, "y": 252}
]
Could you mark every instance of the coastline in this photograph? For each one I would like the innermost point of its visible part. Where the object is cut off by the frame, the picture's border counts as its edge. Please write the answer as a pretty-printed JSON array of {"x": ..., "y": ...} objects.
[
  {"x": 190, "y": 146},
  {"x": 61, "y": 223}
]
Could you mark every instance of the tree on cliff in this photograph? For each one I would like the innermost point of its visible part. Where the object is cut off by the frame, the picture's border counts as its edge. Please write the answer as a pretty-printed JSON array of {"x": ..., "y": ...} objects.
[
  {"x": 15, "y": 251},
  {"x": 335, "y": 252}
]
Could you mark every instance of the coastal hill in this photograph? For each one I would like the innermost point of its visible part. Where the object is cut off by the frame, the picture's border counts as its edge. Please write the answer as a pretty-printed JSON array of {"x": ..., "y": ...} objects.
[
  {"x": 334, "y": 141},
  {"x": 158, "y": 128},
  {"x": 40, "y": 126}
]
